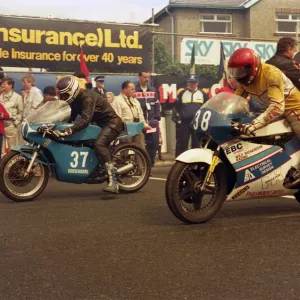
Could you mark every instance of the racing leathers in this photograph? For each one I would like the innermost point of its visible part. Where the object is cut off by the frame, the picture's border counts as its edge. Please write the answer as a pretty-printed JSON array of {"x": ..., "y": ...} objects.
[
  {"x": 92, "y": 107},
  {"x": 276, "y": 95}
]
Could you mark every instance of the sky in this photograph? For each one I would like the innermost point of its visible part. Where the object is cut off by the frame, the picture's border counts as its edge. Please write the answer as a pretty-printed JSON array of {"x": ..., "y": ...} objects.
[{"x": 132, "y": 11}]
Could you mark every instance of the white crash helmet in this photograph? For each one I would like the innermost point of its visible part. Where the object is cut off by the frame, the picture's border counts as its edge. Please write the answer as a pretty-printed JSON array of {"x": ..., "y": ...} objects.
[{"x": 67, "y": 89}]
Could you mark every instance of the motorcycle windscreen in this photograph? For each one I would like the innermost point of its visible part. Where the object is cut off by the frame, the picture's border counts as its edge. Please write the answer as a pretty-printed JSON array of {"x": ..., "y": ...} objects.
[
  {"x": 227, "y": 104},
  {"x": 50, "y": 112}
]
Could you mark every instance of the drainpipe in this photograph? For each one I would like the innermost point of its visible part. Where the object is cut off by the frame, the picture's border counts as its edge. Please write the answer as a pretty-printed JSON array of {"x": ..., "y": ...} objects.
[{"x": 172, "y": 31}]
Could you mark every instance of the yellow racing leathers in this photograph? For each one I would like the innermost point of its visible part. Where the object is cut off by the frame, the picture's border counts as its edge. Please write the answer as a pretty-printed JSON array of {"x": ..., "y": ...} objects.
[{"x": 277, "y": 96}]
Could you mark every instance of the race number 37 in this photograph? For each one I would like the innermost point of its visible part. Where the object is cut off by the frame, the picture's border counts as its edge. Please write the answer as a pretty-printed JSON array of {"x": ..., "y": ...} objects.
[
  {"x": 204, "y": 120},
  {"x": 76, "y": 157}
]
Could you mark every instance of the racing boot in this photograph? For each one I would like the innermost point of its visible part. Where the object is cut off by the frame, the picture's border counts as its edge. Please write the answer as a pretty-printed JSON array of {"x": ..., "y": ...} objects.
[
  {"x": 292, "y": 178},
  {"x": 112, "y": 186}
]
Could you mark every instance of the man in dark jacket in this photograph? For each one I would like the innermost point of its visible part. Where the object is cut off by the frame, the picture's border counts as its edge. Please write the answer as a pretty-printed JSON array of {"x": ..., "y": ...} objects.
[
  {"x": 92, "y": 107},
  {"x": 100, "y": 85},
  {"x": 148, "y": 98},
  {"x": 188, "y": 102},
  {"x": 283, "y": 60}
]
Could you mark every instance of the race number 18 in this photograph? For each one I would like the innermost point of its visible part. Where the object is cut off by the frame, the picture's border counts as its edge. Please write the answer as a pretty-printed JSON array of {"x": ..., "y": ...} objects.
[{"x": 204, "y": 120}]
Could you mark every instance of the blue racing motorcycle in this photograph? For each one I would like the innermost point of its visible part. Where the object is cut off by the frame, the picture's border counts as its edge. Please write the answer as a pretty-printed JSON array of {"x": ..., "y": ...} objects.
[
  {"x": 24, "y": 171},
  {"x": 230, "y": 166}
]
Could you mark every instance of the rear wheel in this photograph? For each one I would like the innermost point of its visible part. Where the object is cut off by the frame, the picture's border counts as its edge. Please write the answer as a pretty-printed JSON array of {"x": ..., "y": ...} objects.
[
  {"x": 13, "y": 183},
  {"x": 138, "y": 175},
  {"x": 184, "y": 196}
]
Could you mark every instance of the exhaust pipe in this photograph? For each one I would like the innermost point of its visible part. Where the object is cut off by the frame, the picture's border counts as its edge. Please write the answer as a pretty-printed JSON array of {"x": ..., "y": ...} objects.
[{"x": 125, "y": 169}]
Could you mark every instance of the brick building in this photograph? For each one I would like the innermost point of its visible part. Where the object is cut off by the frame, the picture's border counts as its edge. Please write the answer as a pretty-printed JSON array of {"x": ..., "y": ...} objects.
[{"x": 248, "y": 20}]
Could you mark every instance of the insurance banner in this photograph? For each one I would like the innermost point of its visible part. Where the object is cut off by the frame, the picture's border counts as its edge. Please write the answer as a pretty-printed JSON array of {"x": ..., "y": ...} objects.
[{"x": 54, "y": 44}]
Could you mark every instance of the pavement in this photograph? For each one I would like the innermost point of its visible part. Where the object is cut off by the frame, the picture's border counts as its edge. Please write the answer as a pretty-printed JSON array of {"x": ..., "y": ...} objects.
[
  {"x": 168, "y": 160},
  {"x": 76, "y": 242}
]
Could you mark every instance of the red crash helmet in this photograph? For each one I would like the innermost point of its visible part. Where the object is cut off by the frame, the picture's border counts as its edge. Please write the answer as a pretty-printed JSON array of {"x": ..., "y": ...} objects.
[{"x": 244, "y": 65}]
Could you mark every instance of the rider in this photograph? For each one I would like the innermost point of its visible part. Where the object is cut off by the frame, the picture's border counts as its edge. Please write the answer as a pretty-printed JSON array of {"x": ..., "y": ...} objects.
[
  {"x": 269, "y": 86},
  {"x": 92, "y": 107}
]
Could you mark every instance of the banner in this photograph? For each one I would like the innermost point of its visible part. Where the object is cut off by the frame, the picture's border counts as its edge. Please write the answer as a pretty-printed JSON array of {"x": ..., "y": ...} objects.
[
  {"x": 168, "y": 87},
  {"x": 207, "y": 51},
  {"x": 54, "y": 44}
]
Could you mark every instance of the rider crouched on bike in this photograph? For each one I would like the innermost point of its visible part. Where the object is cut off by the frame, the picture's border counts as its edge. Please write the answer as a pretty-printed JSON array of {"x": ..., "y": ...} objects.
[
  {"x": 270, "y": 87},
  {"x": 267, "y": 85},
  {"x": 92, "y": 107}
]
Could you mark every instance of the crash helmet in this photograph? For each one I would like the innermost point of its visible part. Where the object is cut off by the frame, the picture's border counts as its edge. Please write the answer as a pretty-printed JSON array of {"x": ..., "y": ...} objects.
[
  {"x": 244, "y": 65},
  {"x": 67, "y": 89}
]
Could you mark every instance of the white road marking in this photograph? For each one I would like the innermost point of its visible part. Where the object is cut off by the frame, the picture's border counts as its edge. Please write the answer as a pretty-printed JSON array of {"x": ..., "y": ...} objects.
[
  {"x": 284, "y": 216},
  {"x": 156, "y": 178}
]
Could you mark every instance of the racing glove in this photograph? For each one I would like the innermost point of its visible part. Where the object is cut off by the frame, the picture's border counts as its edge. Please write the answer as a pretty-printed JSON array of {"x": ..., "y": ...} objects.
[
  {"x": 61, "y": 133},
  {"x": 249, "y": 128}
]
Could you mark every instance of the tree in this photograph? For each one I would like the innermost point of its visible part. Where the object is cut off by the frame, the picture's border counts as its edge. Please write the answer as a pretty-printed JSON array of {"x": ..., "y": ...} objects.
[{"x": 163, "y": 63}]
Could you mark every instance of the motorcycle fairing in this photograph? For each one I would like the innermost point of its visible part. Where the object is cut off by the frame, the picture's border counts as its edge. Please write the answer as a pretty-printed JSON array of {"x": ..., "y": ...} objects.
[
  {"x": 262, "y": 173},
  {"x": 72, "y": 164}
]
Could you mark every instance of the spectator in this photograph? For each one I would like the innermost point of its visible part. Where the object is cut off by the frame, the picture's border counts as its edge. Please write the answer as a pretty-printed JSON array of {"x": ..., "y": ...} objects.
[
  {"x": 1, "y": 77},
  {"x": 100, "y": 85},
  {"x": 13, "y": 103},
  {"x": 31, "y": 95},
  {"x": 49, "y": 94},
  {"x": 4, "y": 115},
  {"x": 283, "y": 60},
  {"x": 129, "y": 110},
  {"x": 109, "y": 97},
  {"x": 188, "y": 102},
  {"x": 148, "y": 98}
]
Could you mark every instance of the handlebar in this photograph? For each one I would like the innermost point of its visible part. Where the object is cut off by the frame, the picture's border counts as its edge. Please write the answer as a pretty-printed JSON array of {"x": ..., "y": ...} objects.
[{"x": 48, "y": 129}]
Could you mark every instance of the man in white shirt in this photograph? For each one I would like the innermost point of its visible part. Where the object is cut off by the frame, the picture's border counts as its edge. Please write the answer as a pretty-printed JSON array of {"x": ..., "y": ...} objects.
[
  {"x": 32, "y": 96},
  {"x": 14, "y": 105},
  {"x": 129, "y": 110}
]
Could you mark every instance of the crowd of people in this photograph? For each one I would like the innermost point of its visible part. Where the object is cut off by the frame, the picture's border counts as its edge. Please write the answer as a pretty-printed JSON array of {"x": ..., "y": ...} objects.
[{"x": 137, "y": 102}]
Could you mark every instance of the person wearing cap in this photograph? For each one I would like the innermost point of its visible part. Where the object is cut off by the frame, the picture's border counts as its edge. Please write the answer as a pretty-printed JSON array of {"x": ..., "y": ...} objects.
[
  {"x": 100, "y": 86},
  {"x": 188, "y": 102}
]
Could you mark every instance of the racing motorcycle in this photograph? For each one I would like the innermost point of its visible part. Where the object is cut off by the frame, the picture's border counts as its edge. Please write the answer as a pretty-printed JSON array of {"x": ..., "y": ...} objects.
[
  {"x": 231, "y": 166},
  {"x": 24, "y": 171}
]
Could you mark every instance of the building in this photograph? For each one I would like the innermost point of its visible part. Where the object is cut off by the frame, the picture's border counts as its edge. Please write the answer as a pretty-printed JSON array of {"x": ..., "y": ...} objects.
[{"x": 237, "y": 22}]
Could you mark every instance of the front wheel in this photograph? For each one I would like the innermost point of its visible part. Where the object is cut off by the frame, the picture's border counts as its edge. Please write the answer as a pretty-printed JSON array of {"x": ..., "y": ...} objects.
[
  {"x": 297, "y": 196},
  {"x": 184, "y": 196},
  {"x": 14, "y": 185},
  {"x": 131, "y": 154}
]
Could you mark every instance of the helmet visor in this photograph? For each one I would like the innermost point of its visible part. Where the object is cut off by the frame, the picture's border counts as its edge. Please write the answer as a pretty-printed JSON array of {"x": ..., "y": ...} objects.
[
  {"x": 64, "y": 96},
  {"x": 240, "y": 72}
]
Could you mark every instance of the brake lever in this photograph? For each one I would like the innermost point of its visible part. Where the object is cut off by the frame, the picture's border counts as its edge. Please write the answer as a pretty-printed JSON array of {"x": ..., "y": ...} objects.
[{"x": 54, "y": 136}]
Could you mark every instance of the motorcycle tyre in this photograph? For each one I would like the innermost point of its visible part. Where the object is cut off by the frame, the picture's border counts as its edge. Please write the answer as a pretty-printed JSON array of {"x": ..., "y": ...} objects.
[
  {"x": 148, "y": 166},
  {"x": 173, "y": 199},
  {"x": 7, "y": 192}
]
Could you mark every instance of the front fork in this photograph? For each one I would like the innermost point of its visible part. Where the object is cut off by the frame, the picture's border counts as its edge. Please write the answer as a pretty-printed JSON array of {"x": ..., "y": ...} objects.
[
  {"x": 33, "y": 158},
  {"x": 211, "y": 168},
  {"x": 32, "y": 161}
]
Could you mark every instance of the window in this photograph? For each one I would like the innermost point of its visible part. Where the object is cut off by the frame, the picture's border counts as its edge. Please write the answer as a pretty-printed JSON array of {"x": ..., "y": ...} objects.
[
  {"x": 287, "y": 23},
  {"x": 210, "y": 23}
]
